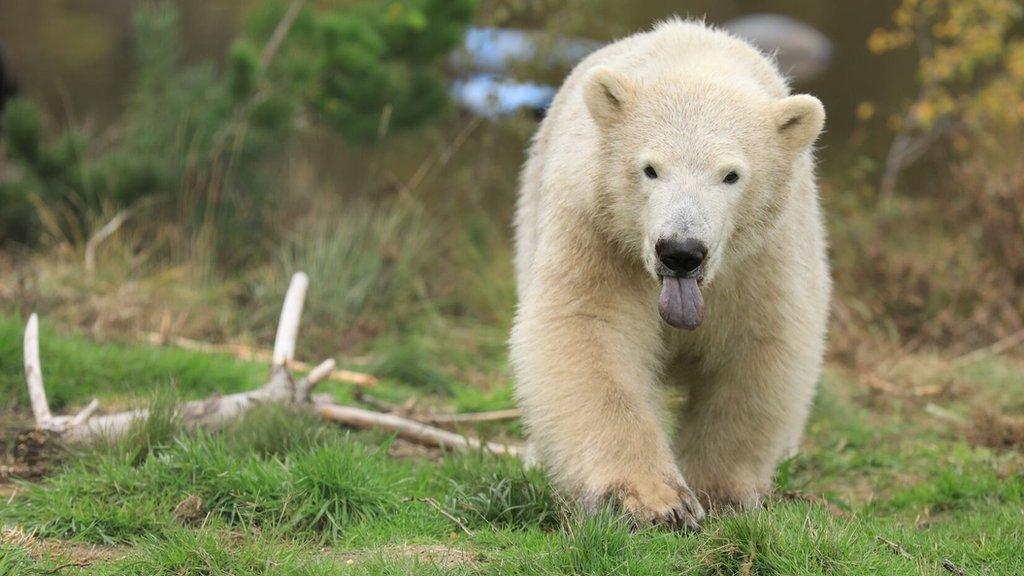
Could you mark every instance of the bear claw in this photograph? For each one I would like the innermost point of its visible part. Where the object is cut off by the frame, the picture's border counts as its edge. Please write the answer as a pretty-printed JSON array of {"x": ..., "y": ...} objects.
[{"x": 658, "y": 502}]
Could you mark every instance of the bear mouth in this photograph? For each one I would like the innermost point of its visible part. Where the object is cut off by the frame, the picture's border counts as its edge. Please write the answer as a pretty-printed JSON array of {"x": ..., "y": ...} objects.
[{"x": 681, "y": 303}]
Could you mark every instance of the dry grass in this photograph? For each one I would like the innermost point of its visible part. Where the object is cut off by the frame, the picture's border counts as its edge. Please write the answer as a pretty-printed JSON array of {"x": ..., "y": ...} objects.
[{"x": 936, "y": 271}]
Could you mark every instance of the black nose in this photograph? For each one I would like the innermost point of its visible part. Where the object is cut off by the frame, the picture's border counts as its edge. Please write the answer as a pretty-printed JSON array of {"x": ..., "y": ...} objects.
[{"x": 681, "y": 256}]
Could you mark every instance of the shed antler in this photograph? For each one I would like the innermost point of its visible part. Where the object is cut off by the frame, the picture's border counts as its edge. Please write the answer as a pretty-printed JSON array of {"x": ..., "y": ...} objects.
[{"x": 281, "y": 387}]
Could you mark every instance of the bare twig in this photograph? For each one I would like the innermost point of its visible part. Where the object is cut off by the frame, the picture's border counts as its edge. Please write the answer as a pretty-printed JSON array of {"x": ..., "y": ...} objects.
[
  {"x": 440, "y": 158},
  {"x": 280, "y": 33},
  {"x": 437, "y": 506},
  {"x": 378, "y": 404},
  {"x": 877, "y": 378},
  {"x": 67, "y": 565},
  {"x": 405, "y": 409},
  {"x": 895, "y": 547},
  {"x": 100, "y": 236},
  {"x": 475, "y": 417},
  {"x": 913, "y": 140},
  {"x": 256, "y": 355},
  {"x": 409, "y": 429},
  {"x": 944, "y": 414},
  {"x": 953, "y": 568},
  {"x": 996, "y": 348},
  {"x": 906, "y": 149}
]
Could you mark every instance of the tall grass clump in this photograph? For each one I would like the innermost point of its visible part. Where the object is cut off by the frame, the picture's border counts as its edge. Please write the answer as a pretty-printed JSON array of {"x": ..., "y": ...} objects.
[
  {"x": 143, "y": 438},
  {"x": 209, "y": 551},
  {"x": 276, "y": 430},
  {"x": 334, "y": 486},
  {"x": 307, "y": 482},
  {"x": 604, "y": 543},
  {"x": 499, "y": 493},
  {"x": 368, "y": 263}
]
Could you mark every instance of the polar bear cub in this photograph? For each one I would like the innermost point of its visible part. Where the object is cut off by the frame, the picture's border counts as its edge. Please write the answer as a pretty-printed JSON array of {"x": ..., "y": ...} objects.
[{"x": 669, "y": 236}]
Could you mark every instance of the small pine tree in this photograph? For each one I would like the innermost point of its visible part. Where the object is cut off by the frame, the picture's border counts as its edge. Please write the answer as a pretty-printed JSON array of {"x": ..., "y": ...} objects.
[{"x": 192, "y": 130}]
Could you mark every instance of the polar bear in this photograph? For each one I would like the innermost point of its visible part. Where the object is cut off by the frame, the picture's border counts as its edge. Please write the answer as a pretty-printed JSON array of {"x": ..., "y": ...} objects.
[{"x": 669, "y": 236}]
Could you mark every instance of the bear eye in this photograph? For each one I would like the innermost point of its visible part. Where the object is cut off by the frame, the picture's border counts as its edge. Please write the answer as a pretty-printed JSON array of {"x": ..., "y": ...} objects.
[
  {"x": 731, "y": 178},
  {"x": 650, "y": 172}
]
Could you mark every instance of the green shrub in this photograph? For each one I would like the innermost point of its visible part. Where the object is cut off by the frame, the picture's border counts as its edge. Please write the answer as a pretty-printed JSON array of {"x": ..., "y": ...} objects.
[{"x": 205, "y": 146}]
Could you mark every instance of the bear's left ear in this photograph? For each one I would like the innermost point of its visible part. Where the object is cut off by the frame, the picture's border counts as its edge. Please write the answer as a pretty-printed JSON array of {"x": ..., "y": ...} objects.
[{"x": 799, "y": 119}]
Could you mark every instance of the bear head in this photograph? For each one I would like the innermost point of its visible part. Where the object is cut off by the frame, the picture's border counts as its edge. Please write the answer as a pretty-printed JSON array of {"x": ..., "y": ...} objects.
[{"x": 694, "y": 171}]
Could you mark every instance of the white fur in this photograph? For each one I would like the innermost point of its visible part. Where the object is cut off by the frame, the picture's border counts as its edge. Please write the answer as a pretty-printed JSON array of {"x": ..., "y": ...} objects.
[{"x": 590, "y": 352}]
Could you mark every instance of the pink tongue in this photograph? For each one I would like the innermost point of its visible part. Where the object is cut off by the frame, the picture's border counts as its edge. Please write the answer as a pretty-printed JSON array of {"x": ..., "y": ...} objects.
[{"x": 681, "y": 304}]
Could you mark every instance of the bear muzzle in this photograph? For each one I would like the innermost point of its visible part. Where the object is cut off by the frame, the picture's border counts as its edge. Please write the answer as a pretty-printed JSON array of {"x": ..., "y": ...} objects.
[{"x": 680, "y": 264}]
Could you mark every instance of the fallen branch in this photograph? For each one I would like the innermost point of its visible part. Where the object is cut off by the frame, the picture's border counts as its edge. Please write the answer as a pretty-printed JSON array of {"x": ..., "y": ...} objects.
[
  {"x": 994, "y": 349},
  {"x": 403, "y": 409},
  {"x": 406, "y": 409},
  {"x": 953, "y": 568},
  {"x": 409, "y": 429},
  {"x": 100, "y": 236},
  {"x": 66, "y": 565},
  {"x": 475, "y": 417},
  {"x": 944, "y": 414},
  {"x": 437, "y": 506},
  {"x": 249, "y": 354},
  {"x": 280, "y": 33},
  {"x": 895, "y": 547}
]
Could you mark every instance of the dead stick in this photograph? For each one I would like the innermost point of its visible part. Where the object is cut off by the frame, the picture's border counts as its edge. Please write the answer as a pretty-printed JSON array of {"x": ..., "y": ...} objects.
[
  {"x": 953, "y": 568},
  {"x": 377, "y": 403},
  {"x": 895, "y": 547},
  {"x": 66, "y": 565},
  {"x": 475, "y": 417},
  {"x": 409, "y": 429},
  {"x": 997, "y": 347},
  {"x": 437, "y": 506},
  {"x": 441, "y": 419},
  {"x": 280, "y": 33},
  {"x": 255, "y": 355},
  {"x": 100, "y": 236}
]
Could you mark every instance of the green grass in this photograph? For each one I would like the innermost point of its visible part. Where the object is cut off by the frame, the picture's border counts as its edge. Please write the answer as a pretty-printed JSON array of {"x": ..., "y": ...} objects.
[
  {"x": 879, "y": 488},
  {"x": 113, "y": 371}
]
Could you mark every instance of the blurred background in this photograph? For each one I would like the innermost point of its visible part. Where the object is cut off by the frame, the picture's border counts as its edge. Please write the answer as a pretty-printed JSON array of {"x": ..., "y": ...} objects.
[{"x": 166, "y": 166}]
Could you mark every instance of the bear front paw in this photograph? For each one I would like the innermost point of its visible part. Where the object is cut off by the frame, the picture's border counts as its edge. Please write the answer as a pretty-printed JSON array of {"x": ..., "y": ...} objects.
[
  {"x": 658, "y": 501},
  {"x": 730, "y": 492}
]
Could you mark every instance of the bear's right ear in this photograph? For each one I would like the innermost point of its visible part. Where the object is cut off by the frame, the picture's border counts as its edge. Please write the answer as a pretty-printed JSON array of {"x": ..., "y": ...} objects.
[{"x": 607, "y": 93}]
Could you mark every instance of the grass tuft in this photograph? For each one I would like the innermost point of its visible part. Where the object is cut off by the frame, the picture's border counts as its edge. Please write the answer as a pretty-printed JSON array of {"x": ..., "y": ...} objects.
[
  {"x": 208, "y": 552},
  {"x": 499, "y": 493}
]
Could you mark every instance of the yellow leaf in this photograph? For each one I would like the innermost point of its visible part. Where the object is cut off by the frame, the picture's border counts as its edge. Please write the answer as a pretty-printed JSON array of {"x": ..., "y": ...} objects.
[{"x": 865, "y": 111}]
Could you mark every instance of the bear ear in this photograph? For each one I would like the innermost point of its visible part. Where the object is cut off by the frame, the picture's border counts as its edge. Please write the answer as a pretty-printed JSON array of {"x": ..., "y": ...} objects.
[
  {"x": 607, "y": 93},
  {"x": 799, "y": 119}
]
